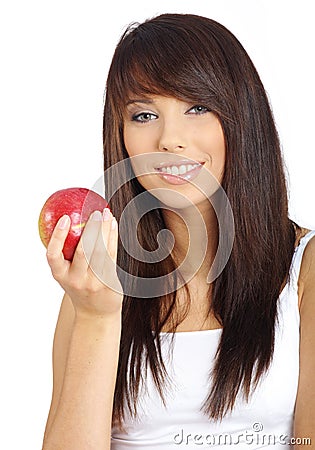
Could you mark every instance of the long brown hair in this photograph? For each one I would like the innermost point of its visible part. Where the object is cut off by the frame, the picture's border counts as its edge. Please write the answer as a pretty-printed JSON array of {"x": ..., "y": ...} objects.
[{"x": 197, "y": 59}]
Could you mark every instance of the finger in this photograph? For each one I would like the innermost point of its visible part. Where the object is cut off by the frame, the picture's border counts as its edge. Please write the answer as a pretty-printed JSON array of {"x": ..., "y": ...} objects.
[
  {"x": 103, "y": 260},
  {"x": 85, "y": 247},
  {"x": 112, "y": 244},
  {"x": 99, "y": 257},
  {"x": 112, "y": 247},
  {"x": 59, "y": 266}
]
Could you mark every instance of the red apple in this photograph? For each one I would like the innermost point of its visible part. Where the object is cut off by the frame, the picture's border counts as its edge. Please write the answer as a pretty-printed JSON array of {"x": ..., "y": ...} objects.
[{"x": 78, "y": 204}]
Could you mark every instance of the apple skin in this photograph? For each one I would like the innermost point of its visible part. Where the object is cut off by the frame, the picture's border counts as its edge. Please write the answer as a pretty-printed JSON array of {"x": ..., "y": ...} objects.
[{"x": 78, "y": 203}]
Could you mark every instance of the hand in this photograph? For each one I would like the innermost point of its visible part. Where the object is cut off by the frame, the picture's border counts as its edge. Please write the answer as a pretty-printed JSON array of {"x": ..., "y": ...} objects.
[{"x": 90, "y": 279}]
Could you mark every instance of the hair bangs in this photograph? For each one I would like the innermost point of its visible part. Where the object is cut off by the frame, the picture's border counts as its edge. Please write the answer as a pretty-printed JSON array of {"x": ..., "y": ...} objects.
[{"x": 153, "y": 62}]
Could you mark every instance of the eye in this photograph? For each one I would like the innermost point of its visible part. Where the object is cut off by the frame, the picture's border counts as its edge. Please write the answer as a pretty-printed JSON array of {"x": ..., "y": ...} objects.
[
  {"x": 144, "y": 117},
  {"x": 198, "y": 109}
]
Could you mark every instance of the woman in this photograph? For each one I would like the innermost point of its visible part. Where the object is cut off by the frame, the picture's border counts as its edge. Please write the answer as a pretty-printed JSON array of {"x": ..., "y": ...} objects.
[{"x": 190, "y": 362}]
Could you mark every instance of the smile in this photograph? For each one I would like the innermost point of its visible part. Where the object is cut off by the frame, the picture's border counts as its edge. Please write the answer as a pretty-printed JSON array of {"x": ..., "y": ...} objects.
[{"x": 179, "y": 173}]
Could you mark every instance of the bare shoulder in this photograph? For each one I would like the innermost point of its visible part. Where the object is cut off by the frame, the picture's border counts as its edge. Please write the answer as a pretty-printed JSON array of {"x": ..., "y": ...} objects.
[
  {"x": 307, "y": 270},
  {"x": 305, "y": 404}
]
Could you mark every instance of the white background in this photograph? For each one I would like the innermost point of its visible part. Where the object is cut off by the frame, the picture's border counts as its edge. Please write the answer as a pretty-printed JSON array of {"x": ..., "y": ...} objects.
[{"x": 54, "y": 59}]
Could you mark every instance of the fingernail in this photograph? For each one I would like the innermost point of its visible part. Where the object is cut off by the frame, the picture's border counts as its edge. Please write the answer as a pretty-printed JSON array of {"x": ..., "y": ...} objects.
[
  {"x": 106, "y": 214},
  {"x": 114, "y": 224},
  {"x": 97, "y": 216},
  {"x": 63, "y": 222}
]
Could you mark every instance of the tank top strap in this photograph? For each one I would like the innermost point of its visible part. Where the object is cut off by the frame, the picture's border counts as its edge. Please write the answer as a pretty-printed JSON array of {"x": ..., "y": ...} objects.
[{"x": 297, "y": 258}]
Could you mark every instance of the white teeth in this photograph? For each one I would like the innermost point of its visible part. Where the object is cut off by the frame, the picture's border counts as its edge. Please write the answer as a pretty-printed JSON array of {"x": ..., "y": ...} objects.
[
  {"x": 182, "y": 169},
  {"x": 175, "y": 170}
]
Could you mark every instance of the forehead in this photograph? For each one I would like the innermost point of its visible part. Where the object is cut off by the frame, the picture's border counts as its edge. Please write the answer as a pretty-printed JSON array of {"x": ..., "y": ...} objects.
[
  {"x": 154, "y": 99},
  {"x": 137, "y": 99}
]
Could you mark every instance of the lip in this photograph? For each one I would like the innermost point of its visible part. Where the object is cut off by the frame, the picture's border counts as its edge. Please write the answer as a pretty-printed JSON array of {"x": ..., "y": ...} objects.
[{"x": 180, "y": 179}]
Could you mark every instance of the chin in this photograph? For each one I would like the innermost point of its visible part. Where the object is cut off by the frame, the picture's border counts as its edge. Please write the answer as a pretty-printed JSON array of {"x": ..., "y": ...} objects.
[{"x": 175, "y": 200}]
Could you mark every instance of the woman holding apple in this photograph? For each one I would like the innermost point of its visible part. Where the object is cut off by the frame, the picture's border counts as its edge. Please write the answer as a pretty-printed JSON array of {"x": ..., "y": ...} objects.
[{"x": 192, "y": 321}]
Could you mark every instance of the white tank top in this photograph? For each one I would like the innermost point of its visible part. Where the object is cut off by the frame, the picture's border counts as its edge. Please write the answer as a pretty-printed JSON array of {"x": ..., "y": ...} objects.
[{"x": 266, "y": 421}]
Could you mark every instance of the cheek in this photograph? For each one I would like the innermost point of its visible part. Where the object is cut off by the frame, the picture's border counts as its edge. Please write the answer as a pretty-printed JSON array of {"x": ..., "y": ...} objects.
[
  {"x": 136, "y": 144},
  {"x": 137, "y": 141},
  {"x": 220, "y": 153},
  {"x": 129, "y": 141},
  {"x": 213, "y": 143}
]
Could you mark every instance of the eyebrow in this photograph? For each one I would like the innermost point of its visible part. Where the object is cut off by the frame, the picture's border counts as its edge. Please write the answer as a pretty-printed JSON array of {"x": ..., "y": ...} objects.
[{"x": 140, "y": 100}]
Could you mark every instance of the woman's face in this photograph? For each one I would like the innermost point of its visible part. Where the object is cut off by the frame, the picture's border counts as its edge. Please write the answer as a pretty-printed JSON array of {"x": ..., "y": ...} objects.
[{"x": 177, "y": 149}]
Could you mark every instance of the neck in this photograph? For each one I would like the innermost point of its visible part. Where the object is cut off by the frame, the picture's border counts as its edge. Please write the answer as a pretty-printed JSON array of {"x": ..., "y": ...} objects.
[{"x": 196, "y": 239}]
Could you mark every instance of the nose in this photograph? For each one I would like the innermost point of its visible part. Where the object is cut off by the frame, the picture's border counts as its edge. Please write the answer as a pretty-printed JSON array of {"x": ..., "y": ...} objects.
[{"x": 172, "y": 137}]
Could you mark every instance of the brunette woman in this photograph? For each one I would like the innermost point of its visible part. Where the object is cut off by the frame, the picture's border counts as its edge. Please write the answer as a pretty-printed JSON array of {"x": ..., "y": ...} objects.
[{"x": 213, "y": 353}]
